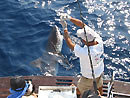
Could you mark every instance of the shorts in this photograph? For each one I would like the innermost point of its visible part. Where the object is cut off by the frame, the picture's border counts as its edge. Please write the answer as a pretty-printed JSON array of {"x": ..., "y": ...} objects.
[{"x": 87, "y": 84}]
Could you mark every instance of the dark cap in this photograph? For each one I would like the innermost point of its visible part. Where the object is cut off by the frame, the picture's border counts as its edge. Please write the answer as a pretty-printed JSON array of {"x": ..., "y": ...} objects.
[
  {"x": 90, "y": 94},
  {"x": 17, "y": 83}
]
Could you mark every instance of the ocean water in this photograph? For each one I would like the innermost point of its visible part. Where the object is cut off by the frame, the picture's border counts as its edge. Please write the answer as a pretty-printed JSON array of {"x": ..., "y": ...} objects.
[{"x": 25, "y": 26}]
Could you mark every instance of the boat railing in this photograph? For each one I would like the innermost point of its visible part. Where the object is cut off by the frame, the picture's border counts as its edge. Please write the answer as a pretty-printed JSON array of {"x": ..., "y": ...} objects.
[{"x": 120, "y": 89}]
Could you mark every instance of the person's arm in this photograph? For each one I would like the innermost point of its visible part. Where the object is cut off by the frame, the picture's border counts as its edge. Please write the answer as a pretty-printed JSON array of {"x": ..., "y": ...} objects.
[
  {"x": 33, "y": 95},
  {"x": 66, "y": 35},
  {"x": 68, "y": 40},
  {"x": 77, "y": 22}
]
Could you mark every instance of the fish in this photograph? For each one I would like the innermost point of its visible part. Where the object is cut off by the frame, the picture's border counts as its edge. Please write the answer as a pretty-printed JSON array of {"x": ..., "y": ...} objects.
[
  {"x": 55, "y": 41},
  {"x": 52, "y": 57}
]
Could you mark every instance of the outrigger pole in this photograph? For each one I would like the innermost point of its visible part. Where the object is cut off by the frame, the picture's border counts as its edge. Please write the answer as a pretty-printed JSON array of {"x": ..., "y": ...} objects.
[{"x": 94, "y": 80}]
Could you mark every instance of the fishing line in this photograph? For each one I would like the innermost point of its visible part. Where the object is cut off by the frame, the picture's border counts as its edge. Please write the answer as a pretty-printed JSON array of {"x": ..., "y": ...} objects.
[{"x": 94, "y": 80}]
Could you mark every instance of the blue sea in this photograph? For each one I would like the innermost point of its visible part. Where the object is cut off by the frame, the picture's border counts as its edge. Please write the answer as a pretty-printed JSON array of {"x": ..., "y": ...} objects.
[{"x": 25, "y": 26}]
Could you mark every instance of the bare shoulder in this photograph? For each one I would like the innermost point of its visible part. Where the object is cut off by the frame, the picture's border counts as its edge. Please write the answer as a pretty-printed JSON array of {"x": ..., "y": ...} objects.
[{"x": 31, "y": 96}]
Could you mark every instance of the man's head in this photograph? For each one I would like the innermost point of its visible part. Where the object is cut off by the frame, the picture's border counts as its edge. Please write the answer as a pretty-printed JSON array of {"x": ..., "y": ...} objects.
[
  {"x": 90, "y": 94},
  {"x": 89, "y": 33},
  {"x": 19, "y": 87},
  {"x": 17, "y": 83}
]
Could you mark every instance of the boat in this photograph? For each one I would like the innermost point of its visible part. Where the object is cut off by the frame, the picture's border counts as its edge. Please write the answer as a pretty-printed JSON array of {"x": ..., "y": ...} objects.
[{"x": 119, "y": 89}]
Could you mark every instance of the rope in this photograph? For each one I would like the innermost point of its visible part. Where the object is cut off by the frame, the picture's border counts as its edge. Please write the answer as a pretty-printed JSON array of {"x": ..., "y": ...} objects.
[{"x": 94, "y": 80}]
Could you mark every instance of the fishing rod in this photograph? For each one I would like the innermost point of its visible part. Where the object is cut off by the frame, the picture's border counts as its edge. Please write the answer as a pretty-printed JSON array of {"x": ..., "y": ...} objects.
[
  {"x": 110, "y": 86},
  {"x": 94, "y": 80}
]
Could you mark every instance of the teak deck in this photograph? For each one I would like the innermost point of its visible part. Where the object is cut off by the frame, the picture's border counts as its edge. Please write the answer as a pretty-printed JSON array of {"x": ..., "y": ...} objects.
[{"x": 120, "y": 89}]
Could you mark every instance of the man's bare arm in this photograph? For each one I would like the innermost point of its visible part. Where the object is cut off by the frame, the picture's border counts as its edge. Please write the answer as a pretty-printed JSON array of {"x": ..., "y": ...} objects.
[
  {"x": 68, "y": 40},
  {"x": 77, "y": 22}
]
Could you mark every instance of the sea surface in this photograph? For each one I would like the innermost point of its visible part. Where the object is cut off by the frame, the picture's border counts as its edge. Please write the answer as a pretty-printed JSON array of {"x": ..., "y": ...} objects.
[{"x": 25, "y": 26}]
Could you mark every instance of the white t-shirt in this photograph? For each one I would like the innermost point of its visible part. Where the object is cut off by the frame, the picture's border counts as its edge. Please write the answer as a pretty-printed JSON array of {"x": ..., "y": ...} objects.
[{"x": 96, "y": 52}]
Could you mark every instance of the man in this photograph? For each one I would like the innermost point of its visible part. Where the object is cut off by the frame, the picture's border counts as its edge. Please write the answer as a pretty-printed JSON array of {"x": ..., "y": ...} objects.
[
  {"x": 95, "y": 45},
  {"x": 20, "y": 88}
]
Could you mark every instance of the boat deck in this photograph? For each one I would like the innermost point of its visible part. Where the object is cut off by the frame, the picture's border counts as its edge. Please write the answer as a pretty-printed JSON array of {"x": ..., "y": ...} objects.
[{"x": 120, "y": 89}]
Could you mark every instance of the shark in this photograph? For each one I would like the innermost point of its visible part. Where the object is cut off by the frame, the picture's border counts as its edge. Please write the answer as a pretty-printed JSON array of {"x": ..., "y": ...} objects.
[
  {"x": 52, "y": 57},
  {"x": 55, "y": 41}
]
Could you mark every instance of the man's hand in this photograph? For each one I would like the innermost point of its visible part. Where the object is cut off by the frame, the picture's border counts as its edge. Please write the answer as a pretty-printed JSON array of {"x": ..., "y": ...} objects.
[
  {"x": 64, "y": 16},
  {"x": 66, "y": 35},
  {"x": 64, "y": 24}
]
